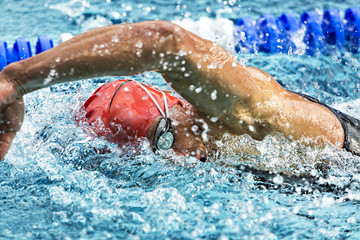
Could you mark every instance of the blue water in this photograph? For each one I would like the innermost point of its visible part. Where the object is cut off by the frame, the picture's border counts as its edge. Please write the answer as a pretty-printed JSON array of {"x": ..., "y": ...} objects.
[{"x": 55, "y": 185}]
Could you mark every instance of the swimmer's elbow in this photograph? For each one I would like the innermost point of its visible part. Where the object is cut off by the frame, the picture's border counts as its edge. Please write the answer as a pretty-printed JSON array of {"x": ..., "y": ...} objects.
[
  {"x": 173, "y": 32},
  {"x": 169, "y": 28},
  {"x": 183, "y": 40}
]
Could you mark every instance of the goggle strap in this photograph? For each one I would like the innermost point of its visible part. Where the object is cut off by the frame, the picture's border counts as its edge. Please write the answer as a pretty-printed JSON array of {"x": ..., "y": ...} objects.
[
  {"x": 165, "y": 104},
  {"x": 155, "y": 102},
  {"x": 117, "y": 90}
]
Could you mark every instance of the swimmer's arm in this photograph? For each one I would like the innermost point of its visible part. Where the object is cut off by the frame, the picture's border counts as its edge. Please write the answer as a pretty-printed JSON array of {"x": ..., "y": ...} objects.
[
  {"x": 182, "y": 57},
  {"x": 246, "y": 99},
  {"x": 200, "y": 70}
]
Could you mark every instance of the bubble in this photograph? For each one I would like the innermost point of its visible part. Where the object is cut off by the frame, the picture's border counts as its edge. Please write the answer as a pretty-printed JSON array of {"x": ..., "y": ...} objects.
[
  {"x": 194, "y": 128},
  {"x": 278, "y": 179},
  {"x": 213, "y": 95},
  {"x": 252, "y": 128},
  {"x": 139, "y": 44},
  {"x": 115, "y": 39},
  {"x": 214, "y": 119},
  {"x": 212, "y": 66},
  {"x": 351, "y": 220}
]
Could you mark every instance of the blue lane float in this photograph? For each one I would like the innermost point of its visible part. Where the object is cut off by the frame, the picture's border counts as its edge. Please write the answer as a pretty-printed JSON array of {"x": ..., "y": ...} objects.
[
  {"x": 333, "y": 28},
  {"x": 268, "y": 34},
  {"x": 352, "y": 28},
  {"x": 3, "y": 58},
  {"x": 21, "y": 49},
  {"x": 274, "y": 36},
  {"x": 288, "y": 23},
  {"x": 314, "y": 37},
  {"x": 43, "y": 44},
  {"x": 273, "y": 39},
  {"x": 245, "y": 34}
]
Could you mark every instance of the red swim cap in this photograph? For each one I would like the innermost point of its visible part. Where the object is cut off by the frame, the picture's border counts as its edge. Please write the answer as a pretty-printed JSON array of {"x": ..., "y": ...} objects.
[{"x": 131, "y": 113}]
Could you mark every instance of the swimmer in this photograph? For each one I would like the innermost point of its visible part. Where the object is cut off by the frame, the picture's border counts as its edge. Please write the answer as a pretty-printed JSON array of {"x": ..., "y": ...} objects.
[{"x": 220, "y": 92}]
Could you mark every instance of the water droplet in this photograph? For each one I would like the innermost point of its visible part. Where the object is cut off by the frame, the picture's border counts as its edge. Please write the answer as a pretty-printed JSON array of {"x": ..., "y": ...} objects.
[
  {"x": 252, "y": 128},
  {"x": 115, "y": 39},
  {"x": 212, "y": 66},
  {"x": 213, "y": 95},
  {"x": 139, "y": 44},
  {"x": 278, "y": 179},
  {"x": 214, "y": 119}
]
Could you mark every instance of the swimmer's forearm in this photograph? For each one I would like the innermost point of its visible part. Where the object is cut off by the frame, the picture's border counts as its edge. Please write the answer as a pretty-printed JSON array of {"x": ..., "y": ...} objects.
[{"x": 118, "y": 49}]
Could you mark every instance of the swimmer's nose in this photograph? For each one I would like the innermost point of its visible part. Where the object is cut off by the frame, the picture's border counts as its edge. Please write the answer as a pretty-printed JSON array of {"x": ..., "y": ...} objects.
[
  {"x": 200, "y": 153},
  {"x": 202, "y": 159}
]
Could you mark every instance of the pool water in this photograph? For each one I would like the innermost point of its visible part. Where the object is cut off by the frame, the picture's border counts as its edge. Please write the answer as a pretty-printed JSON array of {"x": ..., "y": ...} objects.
[{"x": 55, "y": 183}]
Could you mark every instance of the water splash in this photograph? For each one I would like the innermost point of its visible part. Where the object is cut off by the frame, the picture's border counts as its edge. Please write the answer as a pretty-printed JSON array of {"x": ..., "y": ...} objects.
[{"x": 59, "y": 181}]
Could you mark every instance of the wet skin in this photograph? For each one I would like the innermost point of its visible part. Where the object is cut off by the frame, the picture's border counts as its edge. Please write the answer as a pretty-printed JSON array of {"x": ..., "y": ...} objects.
[{"x": 248, "y": 100}]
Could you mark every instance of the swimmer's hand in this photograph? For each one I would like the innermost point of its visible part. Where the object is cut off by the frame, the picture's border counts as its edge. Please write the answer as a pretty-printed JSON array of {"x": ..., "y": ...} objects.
[{"x": 11, "y": 114}]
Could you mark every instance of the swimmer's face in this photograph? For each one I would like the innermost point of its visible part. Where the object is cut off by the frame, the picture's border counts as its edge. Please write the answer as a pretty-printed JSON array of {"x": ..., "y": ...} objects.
[{"x": 187, "y": 132}]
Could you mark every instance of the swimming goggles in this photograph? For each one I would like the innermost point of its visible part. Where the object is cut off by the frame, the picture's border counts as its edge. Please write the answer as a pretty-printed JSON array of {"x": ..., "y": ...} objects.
[{"x": 164, "y": 133}]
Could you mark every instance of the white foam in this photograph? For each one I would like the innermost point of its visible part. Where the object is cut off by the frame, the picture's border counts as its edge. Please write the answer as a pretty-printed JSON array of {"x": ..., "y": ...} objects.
[
  {"x": 219, "y": 30},
  {"x": 73, "y": 8},
  {"x": 351, "y": 108},
  {"x": 64, "y": 37}
]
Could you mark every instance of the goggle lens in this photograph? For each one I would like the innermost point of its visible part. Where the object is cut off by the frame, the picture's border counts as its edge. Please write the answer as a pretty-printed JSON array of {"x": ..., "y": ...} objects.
[
  {"x": 165, "y": 141},
  {"x": 164, "y": 136}
]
